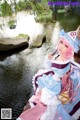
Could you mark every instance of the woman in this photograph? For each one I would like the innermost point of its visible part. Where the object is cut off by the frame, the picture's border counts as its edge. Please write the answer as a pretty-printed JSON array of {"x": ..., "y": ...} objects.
[{"x": 57, "y": 86}]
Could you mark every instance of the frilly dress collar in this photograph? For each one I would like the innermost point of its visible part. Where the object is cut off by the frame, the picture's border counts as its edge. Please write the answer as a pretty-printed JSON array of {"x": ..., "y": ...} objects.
[{"x": 60, "y": 68}]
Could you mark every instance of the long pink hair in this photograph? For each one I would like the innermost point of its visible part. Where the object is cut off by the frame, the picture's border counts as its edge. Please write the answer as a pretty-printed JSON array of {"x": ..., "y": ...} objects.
[{"x": 69, "y": 54}]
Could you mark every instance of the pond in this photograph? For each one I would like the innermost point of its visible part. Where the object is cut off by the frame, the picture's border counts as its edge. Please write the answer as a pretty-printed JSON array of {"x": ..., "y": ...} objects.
[{"x": 69, "y": 20}]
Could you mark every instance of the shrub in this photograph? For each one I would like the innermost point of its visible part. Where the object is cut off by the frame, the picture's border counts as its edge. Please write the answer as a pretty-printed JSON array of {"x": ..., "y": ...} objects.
[{"x": 6, "y": 9}]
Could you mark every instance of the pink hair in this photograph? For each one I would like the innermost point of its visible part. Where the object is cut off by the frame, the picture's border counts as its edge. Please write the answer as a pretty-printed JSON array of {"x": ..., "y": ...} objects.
[{"x": 70, "y": 51}]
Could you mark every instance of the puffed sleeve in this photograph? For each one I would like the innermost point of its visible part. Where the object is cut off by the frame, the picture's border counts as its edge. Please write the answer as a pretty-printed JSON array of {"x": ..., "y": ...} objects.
[{"x": 51, "y": 86}]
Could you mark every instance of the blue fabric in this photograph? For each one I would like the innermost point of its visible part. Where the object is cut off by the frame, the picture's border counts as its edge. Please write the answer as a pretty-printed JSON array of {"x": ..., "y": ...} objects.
[
  {"x": 48, "y": 81},
  {"x": 62, "y": 114},
  {"x": 77, "y": 42}
]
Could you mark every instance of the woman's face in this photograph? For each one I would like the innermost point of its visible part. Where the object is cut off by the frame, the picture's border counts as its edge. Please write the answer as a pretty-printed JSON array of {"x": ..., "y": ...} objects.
[{"x": 63, "y": 47}]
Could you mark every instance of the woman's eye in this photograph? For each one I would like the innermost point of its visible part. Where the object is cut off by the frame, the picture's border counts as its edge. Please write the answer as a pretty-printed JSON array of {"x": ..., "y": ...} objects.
[
  {"x": 61, "y": 42},
  {"x": 66, "y": 46}
]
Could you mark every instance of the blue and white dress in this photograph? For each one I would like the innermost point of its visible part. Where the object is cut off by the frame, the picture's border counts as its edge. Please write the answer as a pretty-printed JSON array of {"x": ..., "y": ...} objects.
[{"x": 60, "y": 85}]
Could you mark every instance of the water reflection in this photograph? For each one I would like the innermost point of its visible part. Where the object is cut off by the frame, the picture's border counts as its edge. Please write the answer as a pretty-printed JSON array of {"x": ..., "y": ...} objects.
[
  {"x": 15, "y": 84},
  {"x": 69, "y": 20}
]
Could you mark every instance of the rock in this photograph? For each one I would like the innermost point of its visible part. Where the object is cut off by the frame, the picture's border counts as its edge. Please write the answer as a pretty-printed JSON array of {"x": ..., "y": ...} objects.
[
  {"x": 48, "y": 32},
  {"x": 7, "y": 44},
  {"x": 67, "y": 8},
  {"x": 38, "y": 41}
]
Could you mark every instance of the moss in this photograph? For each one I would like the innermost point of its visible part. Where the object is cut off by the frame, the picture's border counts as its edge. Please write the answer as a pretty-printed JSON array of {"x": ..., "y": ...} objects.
[
  {"x": 22, "y": 35},
  {"x": 11, "y": 23}
]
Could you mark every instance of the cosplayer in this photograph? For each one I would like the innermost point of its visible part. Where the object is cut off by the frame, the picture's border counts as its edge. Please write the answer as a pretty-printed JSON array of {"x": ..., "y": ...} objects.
[{"x": 57, "y": 87}]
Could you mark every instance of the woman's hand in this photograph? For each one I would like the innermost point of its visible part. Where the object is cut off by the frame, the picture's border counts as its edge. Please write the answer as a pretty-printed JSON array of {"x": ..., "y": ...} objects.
[{"x": 50, "y": 56}]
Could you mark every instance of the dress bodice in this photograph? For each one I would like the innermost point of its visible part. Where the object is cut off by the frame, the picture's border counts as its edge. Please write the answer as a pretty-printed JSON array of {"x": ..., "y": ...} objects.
[{"x": 58, "y": 67}]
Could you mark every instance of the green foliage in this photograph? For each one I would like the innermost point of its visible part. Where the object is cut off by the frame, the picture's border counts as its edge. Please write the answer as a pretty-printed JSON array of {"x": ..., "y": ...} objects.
[
  {"x": 36, "y": 7},
  {"x": 32, "y": 6},
  {"x": 28, "y": 5},
  {"x": 6, "y": 9},
  {"x": 45, "y": 16},
  {"x": 42, "y": 9},
  {"x": 20, "y": 6}
]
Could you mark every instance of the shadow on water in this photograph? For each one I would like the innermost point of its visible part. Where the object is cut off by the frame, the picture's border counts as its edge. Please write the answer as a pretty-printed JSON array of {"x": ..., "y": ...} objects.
[{"x": 5, "y": 54}]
